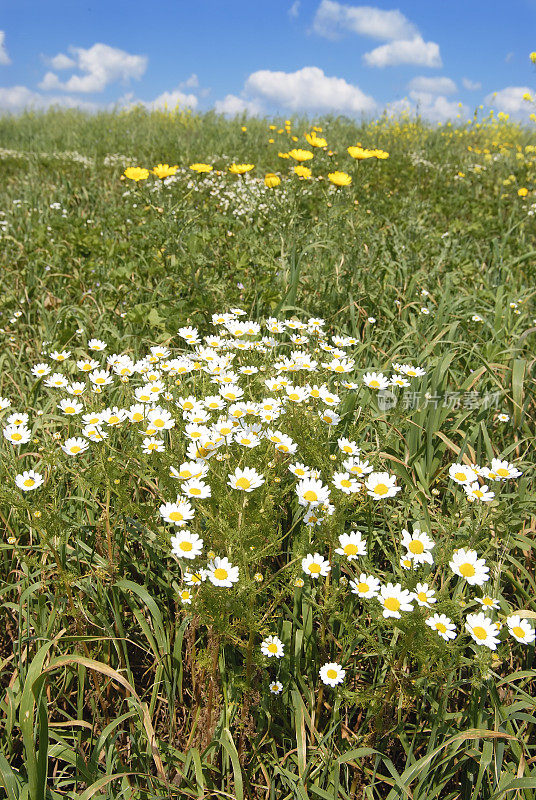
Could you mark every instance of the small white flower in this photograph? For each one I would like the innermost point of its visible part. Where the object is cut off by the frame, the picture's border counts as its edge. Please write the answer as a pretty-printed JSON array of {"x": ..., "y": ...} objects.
[
  {"x": 272, "y": 647},
  {"x": 332, "y": 674}
]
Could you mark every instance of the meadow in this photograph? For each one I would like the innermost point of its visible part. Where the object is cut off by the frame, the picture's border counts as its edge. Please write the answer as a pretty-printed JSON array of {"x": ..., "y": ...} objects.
[{"x": 266, "y": 482}]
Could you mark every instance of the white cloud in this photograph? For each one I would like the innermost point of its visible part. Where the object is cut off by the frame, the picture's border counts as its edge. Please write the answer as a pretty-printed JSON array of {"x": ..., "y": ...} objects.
[
  {"x": 308, "y": 89},
  {"x": 472, "y": 86},
  {"x": 61, "y": 61},
  {"x": 437, "y": 108},
  {"x": 334, "y": 18},
  {"x": 171, "y": 100},
  {"x": 510, "y": 99},
  {"x": 17, "y": 98},
  {"x": 233, "y": 106},
  {"x": 100, "y": 65},
  {"x": 4, "y": 58},
  {"x": 405, "y": 51},
  {"x": 432, "y": 85},
  {"x": 190, "y": 83},
  {"x": 294, "y": 10}
]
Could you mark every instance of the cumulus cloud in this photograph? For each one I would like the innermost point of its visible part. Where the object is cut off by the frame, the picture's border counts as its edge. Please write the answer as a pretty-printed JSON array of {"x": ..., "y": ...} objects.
[
  {"x": 472, "y": 86},
  {"x": 233, "y": 106},
  {"x": 332, "y": 19},
  {"x": 432, "y": 85},
  {"x": 100, "y": 65},
  {"x": 510, "y": 100},
  {"x": 18, "y": 98},
  {"x": 308, "y": 89},
  {"x": 405, "y": 51},
  {"x": 61, "y": 61},
  {"x": 4, "y": 58}
]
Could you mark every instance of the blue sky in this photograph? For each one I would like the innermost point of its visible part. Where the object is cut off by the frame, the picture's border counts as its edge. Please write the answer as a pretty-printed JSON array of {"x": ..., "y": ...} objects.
[{"x": 284, "y": 56}]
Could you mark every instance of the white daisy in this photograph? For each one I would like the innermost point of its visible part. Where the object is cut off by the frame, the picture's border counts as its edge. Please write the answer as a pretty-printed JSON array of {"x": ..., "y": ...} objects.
[
  {"x": 468, "y": 565},
  {"x": 29, "y": 480},
  {"x": 394, "y": 599},
  {"x": 443, "y": 625},
  {"x": 483, "y": 630},
  {"x": 272, "y": 647},
  {"x": 315, "y": 565},
  {"x": 366, "y": 586},
  {"x": 351, "y": 545},
  {"x": 380, "y": 485},
  {"x": 186, "y": 544},
  {"x": 222, "y": 573},
  {"x": 332, "y": 674}
]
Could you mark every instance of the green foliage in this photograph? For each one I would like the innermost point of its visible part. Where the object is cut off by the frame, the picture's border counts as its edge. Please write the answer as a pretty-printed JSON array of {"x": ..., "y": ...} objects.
[{"x": 110, "y": 687}]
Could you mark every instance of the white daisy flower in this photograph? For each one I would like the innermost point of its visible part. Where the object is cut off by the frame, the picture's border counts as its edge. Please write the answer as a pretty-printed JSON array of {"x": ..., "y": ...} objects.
[
  {"x": 245, "y": 479},
  {"x": 75, "y": 445},
  {"x": 475, "y": 491},
  {"x": 222, "y": 573},
  {"x": 272, "y": 647},
  {"x": 185, "y": 596},
  {"x": 351, "y": 545},
  {"x": 357, "y": 467},
  {"x": 380, "y": 485},
  {"x": 312, "y": 492},
  {"x": 344, "y": 482},
  {"x": 29, "y": 480},
  {"x": 443, "y": 625},
  {"x": 152, "y": 445},
  {"x": 463, "y": 474},
  {"x": 196, "y": 488},
  {"x": 483, "y": 630},
  {"x": 332, "y": 674},
  {"x": 315, "y": 565},
  {"x": 424, "y": 596},
  {"x": 177, "y": 513},
  {"x": 375, "y": 380},
  {"x": 276, "y": 687},
  {"x": 394, "y": 599},
  {"x": 186, "y": 544},
  {"x": 468, "y": 565},
  {"x": 418, "y": 544},
  {"x": 365, "y": 586},
  {"x": 520, "y": 629}
]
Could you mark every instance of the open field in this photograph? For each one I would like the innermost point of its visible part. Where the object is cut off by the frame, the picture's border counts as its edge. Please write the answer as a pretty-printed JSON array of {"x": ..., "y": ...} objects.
[{"x": 170, "y": 347}]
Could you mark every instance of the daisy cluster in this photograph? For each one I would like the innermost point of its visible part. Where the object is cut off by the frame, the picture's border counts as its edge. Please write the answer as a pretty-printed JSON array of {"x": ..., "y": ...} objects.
[{"x": 226, "y": 404}]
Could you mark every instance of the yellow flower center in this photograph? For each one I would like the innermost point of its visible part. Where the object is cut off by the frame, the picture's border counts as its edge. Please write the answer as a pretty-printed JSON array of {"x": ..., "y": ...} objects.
[
  {"x": 99, "y": 380},
  {"x": 350, "y": 549},
  {"x": 467, "y": 570},
  {"x": 362, "y": 587},
  {"x": 220, "y": 574},
  {"x": 331, "y": 674},
  {"x": 423, "y": 597},
  {"x": 479, "y": 632},
  {"x": 346, "y": 483},
  {"x": 113, "y": 420},
  {"x": 314, "y": 568},
  {"x": 416, "y": 547},
  {"x": 186, "y": 546},
  {"x": 243, "y": 483},
  {"x": 392, "y": 604},
  {"x": 518, "y": 631},
  {"x": 374, "y": 384},
  {"x": 310, "y": 496},
  {"x": 272, "y": 647},
  {"x": 176, "y": 516},
  {"x": 478, "y": 493},
  {"x": 185, "y": 595},
  {"x": 441, "y": 627},
  {"x": 75, "y": 448},
  {"x": 137, "y": 417},
  {"x": 503, "y": 473},
  {"x": 16, "y": 437},
  {"x": 294, "y": 397},
  {"x": 460, "y": 476},
  {"x": 195, "y": 490},
  {"x": 381, "y": 488},
  {"x": 29, "y": 482}
]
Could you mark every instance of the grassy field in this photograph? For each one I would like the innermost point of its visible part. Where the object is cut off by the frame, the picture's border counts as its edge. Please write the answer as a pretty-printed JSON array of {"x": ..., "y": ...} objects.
[{"x": 170, "y": 348}]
